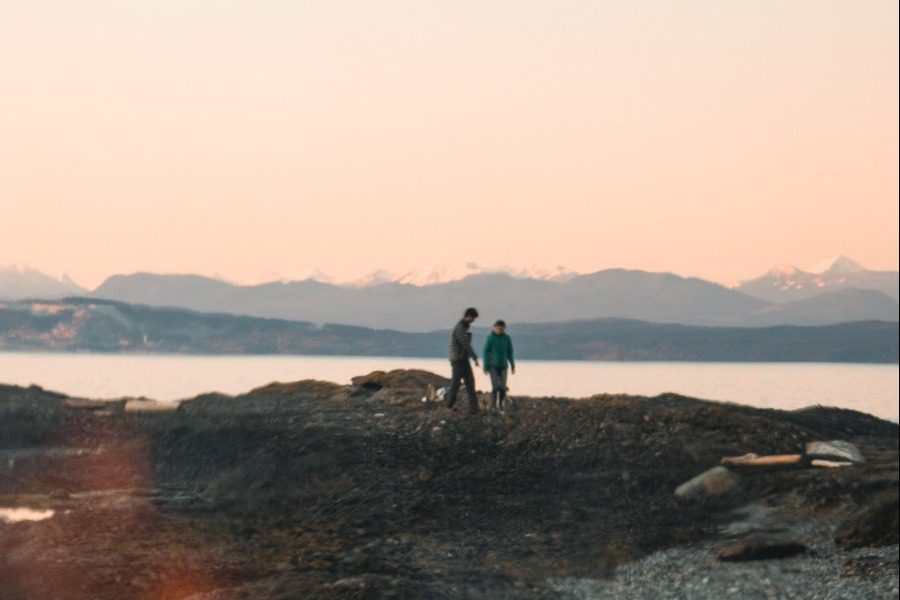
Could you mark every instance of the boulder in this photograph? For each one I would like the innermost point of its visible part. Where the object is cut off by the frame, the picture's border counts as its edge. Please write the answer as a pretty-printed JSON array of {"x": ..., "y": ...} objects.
[
  {"x": 372, "y": 381},
  {"x": 409, "y": 379},
  {"x": 714, "y": 482},
  {"x": 837, "y": 450}
]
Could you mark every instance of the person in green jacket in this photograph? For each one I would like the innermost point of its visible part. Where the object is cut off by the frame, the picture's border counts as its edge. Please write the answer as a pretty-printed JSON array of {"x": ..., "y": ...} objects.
[{"x": 498, "y": 355}]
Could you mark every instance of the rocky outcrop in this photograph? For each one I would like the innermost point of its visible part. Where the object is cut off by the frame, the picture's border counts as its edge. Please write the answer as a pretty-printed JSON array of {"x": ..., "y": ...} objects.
[
  {"x": 399, "y": 386},
  {"x": 274, "y": 398},
  {"x": 319, "y": 490}
]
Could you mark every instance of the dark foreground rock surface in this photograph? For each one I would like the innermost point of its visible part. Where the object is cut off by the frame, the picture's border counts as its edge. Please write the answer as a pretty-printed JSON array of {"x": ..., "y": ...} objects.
[{"x": 318, "y": 490}]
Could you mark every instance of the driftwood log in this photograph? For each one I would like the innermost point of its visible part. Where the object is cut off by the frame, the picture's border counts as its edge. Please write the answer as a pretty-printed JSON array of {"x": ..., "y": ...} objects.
[{"x": 754, "y": 460}]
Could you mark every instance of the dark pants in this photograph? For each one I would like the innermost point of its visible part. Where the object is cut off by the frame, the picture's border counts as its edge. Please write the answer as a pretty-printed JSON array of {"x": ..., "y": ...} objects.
[
  {"x": 498, "y": 387},
  {"x": 461, "y": 371}
]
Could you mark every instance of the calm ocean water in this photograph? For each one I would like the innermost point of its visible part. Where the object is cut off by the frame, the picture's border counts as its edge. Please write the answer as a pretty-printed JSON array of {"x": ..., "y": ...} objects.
[{"x": 869, "y": 388}]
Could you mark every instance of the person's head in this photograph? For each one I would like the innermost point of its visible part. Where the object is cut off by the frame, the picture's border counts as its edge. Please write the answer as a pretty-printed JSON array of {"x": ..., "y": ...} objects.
[
  {"x": 499, "y": 326},
  {"x": 470, "y": 315}
]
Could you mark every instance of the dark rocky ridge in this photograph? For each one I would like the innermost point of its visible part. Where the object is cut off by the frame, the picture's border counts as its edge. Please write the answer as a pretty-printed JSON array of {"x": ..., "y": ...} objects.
[{"x": 318, "y": 490}]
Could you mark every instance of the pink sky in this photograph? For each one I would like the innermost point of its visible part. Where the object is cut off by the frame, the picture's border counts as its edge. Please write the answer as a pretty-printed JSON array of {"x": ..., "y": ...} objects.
[{"x": 258, "y": 140}]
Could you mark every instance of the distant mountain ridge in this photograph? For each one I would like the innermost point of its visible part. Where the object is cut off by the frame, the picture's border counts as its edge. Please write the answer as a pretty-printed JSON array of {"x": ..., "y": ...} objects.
[
  {"x": 17, "y": 282},
  {"x": 86, "y": 325},
  {"x": 613, "y": 293},
  {"x": 837, "y": 291}
]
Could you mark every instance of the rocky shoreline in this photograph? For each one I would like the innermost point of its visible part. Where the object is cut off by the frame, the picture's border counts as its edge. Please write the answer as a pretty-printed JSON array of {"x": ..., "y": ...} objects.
[{"x": 319, "y": 490}]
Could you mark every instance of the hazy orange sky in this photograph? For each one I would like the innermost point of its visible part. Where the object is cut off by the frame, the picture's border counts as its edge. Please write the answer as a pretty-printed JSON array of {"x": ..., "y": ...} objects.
[{"x": 254, "y": 140}]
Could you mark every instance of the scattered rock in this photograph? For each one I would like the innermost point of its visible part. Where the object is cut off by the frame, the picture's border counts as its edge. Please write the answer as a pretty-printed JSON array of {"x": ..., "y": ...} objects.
[
  {"x": 838, "y": 450},
  {"x": 869, "y": 566},
  {"x": 761, "y": 549},
  {"x": 714, "y": 482}
]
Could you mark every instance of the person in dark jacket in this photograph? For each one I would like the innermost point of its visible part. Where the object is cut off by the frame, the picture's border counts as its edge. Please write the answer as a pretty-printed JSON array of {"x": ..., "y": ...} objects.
[
  {"x": 498, "y": 356},
  {"x": 460, "y": 353}
]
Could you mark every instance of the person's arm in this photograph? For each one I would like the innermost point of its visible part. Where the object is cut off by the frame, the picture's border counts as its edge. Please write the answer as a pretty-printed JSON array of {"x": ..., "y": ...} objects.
[
  {"x": 488, "y": 350},
  {"x": 512, "y": 360}
]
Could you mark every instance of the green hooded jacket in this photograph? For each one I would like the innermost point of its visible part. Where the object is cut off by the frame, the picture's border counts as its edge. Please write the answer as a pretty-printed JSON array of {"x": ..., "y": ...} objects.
[{"x": 498, "y": 351}]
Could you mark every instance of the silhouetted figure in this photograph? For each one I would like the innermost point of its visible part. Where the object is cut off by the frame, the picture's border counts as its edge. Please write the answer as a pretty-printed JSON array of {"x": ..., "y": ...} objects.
[
  {"x": 460, "y": 353},
  {"x": 498, "y": 356}
]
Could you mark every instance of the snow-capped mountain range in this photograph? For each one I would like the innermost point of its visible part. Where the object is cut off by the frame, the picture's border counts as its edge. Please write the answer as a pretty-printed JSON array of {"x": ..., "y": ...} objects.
[
  {"x": 427, "y": 275},
  {"x": 432, "y": 275},
  {"x": 785, "y": 284},
  {"x": 779, "y": 284},
  {"x": 841, "y": 291}
]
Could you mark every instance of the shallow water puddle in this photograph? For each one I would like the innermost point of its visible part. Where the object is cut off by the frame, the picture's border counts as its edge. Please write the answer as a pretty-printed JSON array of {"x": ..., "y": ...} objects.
[{"x": 14, "y": 515}]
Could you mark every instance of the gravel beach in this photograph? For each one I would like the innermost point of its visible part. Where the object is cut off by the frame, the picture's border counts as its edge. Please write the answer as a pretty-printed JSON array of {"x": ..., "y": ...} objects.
[{"x": 694, "y": 573}]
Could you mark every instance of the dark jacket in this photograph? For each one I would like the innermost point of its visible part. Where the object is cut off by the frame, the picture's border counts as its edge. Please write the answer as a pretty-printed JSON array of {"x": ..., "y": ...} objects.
[
  {"x": 461, "y": 343},
  {"x": 498, "y": 351}
]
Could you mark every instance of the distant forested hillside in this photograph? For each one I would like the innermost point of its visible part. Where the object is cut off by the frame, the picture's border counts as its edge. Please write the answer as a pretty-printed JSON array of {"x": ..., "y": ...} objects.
[{"x": 86, "y": 325}]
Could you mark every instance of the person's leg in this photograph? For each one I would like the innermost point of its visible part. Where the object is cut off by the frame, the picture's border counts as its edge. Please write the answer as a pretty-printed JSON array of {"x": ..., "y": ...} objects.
[
  {"x": 455, "y": 378},
  {"x": 469, "y": 379},
  {"x": 496, "y": 386},
  {"x": 501, "y": 387}
]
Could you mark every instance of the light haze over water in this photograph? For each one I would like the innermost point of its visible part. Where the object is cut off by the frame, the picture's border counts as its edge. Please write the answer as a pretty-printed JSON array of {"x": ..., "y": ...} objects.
[{"x": 868, "y": 388}]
